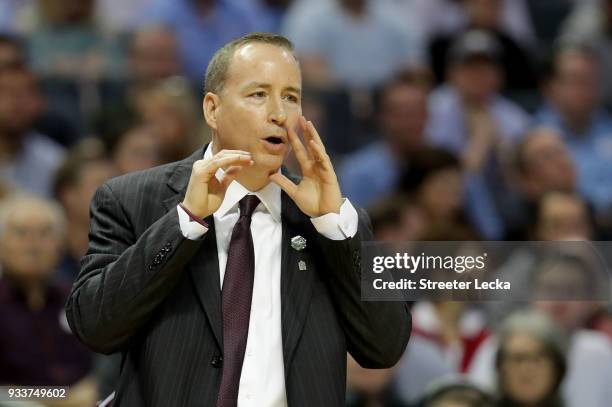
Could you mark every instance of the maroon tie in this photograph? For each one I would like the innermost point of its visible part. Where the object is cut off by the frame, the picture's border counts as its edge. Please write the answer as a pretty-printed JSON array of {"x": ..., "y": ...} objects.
[{"x": 236, "y": 301}]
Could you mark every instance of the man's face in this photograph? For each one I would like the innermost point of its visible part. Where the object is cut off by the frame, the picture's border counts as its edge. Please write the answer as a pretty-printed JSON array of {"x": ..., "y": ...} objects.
[
  {"x": 404, "y": 116},
  {"x": 260, "y": 100},
  {"x": 477, "y": 79},
  {"x": 574, "y": 89},
  {"x": 20, "y": 102},
  {"x": 30, "y": 243},
  {"x": 562, "y": 217},
  {"x": 76, "y": 198},
  {"x": 549, "y": 165},
  {"x": 154, "y": 55},
  {"x": 527, "y": 371}
]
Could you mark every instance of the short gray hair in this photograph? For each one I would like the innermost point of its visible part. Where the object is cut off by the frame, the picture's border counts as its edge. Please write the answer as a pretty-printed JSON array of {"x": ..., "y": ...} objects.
[
  {"x": 18, "y": 200},
  {"x": 216, "y": 72}
]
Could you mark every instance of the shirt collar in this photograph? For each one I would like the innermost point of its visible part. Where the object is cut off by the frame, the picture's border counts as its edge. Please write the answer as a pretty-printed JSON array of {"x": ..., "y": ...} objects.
[{"x": 270, "y": 195}]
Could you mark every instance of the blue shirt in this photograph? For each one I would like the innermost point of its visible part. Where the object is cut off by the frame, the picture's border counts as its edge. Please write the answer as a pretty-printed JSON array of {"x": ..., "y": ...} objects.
[
  {"x": 363, "y": 51},
  {"x": 592, "y": 153},
  {"x": 487, "y": 198},
  {"x": 200, "y": 36},
  {"x": 369, "y": 174}
]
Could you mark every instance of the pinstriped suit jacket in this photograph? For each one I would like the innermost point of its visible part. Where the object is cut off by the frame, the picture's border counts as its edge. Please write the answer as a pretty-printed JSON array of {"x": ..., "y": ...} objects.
[{"x": 149, "y": 293}]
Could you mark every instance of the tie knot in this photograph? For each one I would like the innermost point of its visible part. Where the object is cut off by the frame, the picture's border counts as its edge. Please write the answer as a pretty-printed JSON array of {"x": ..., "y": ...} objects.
[{"x": 247, "y": 205}]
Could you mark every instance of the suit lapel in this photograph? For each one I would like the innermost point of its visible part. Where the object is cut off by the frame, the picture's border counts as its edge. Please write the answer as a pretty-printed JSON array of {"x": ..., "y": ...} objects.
[
  {"x": 296, "y": 284},
  {"x": 203, "y": 268}
]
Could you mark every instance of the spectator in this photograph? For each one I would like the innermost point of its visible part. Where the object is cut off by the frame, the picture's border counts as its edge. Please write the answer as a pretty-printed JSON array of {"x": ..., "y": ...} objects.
[
  {"x": 440, "y": 17},
  {"x": 10, "y": 11},
  {"x": 370, "y": 387},
  {"x": 471, "y": 119},
  {"x": 201, "y": 26},
  {"x": 590, "y": 22},
  {"x": 66, "y": 42},
  {"x": 352, "y": 43},
  {"x": 28, "y": 158},
  {"x": 468, "y": 115},
  {"x": 555, "y": 216},
  {"x": 373, "y": 171},
  {"x": 120, "y": 16},
  {"x": 138, "y": 148},
  {"x": 562, "y": 216},
  {"x": 11, "y": 51},
  {"x": 36, "y": 345},
  {"x": 543, "y": 164},
  {"x": 84, "y": 169},
  {"x": 514, "y": 60},
  {"x": 268, "y": 14},
  {"x": 154, "y": 55},
  {"x": 573, "y": 107},
  {"x": 434, "y": 184},
  {"x": 530, "y": 362},
  {"x": 456, "y": 328},
  {"x": 456, "y": 393},
  {"x": 170, "y": 108},
  {"x": 589, "y": 355}
]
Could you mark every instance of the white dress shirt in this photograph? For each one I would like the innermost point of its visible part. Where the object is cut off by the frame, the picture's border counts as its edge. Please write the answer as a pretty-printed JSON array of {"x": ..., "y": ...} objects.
[{"x": 262, "y": 381}]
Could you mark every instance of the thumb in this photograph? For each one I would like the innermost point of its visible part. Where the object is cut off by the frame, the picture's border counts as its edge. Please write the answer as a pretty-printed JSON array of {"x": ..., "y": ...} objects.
[{"x": 229, "y": 176}]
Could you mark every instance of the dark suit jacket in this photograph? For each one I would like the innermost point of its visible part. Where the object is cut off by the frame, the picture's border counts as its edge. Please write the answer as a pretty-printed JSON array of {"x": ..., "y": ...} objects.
[{"x": 146, "y": 291}]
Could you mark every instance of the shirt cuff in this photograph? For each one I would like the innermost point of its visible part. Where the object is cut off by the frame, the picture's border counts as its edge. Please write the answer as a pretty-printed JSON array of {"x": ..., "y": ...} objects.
[
  {"x": 192, "y": 229},
  {"x": 338, "y": 226}
]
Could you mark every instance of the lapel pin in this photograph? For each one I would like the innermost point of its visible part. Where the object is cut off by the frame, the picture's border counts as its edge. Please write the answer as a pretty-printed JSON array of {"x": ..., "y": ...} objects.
[
  {"x": 298, "y": 242},
  {"x": 302, "y": 265}
]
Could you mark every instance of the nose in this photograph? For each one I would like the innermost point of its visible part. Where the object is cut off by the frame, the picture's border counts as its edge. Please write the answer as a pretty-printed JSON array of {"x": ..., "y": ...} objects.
[{"x": 276, "y": 111}]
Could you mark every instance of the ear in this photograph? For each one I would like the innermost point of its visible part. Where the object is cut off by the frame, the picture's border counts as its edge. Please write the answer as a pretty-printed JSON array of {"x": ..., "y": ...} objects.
[{"x": 211, "y": 108}]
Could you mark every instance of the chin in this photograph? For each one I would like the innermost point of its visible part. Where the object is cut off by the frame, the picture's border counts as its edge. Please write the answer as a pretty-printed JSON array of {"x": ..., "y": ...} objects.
[{"x": 269, "y": 161}]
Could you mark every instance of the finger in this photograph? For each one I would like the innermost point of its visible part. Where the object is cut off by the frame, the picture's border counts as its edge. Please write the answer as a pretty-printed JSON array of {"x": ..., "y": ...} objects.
[
  {"x": 320, "y": 155},
  {"x": 299, "y": 150},
  {"x": 219, "y": 162},
  {"x": 230, "y": 176},
  {"x": 224, "y": 152},
  {"x": 284, "y": 183},
  {"x": 313, "y": 133},
  {"x": 307, "y": 134}
]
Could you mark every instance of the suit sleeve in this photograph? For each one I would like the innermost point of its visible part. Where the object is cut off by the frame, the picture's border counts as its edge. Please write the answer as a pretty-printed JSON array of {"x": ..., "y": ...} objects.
[
  {"x": 124, "y": 277},
  {"x": 377, "y": 332}
]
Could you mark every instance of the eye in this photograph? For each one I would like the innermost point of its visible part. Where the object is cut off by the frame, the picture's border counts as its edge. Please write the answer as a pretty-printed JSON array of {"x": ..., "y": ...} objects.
[
  {"x": 292, "y": 98},
  {"x": 258, "y": 94}
]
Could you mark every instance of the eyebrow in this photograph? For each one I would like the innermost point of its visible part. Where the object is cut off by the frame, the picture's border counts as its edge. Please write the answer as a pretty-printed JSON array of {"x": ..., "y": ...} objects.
[{"x": 251, "y": 85}]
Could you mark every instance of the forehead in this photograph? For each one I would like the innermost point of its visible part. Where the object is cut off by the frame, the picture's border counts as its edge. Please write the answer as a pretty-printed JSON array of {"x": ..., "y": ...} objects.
[
  {"x": 263, "y": 63},
  {"x": 29, "y": 213}
]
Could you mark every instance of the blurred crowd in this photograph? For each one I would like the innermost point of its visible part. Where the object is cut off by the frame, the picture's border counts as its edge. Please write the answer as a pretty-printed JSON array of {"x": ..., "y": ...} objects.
[{"x": 447, "y": 120}]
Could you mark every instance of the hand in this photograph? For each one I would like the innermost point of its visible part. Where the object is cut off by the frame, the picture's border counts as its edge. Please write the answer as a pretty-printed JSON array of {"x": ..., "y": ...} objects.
[
  {"x": 482, "y": 138},
  {"x": 205, "y": 193},
  {"x": 318, "y": 193}
]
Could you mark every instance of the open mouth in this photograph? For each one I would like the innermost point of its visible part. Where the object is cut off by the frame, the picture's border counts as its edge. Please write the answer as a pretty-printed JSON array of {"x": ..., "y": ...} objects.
[{"x": 274, "y": 140}]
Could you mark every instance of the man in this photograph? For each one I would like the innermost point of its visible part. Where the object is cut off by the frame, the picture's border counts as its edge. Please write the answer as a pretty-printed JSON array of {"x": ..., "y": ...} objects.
[
  {"x": 486, "y": 15},
  {"x": 353, "y": 43},
  {"x": 543, "y": 164},
  {"x": 167, "y": 286},
  {"x": 200, "y": 26},
  {"x": 27, "y": 158},
  {"x": 574, "y": 108},
  {"x": 372, "y": 172},
  {"x": 472, "y": 119},
  {"x": 36, "y": 345},
  {"x": 85, "y": 168}
]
